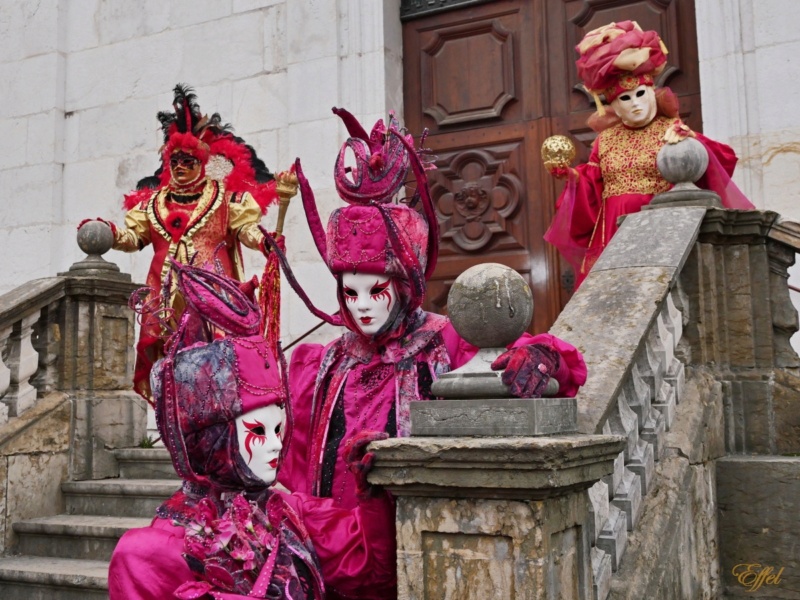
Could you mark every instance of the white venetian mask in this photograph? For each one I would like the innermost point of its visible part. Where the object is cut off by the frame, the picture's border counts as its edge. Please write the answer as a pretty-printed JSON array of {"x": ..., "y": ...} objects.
[
  {"x": 637, "y": 107},
  {"x": 260, "y": 436},
  {"x": 370, "y": 299}
]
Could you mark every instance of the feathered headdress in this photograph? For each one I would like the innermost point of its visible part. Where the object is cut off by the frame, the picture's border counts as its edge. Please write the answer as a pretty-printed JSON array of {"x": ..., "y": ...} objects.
[{"x": 226, "y": 157}]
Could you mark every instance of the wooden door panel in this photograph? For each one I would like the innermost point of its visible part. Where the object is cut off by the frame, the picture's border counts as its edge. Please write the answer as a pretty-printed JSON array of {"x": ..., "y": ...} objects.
[
  {"x": 491, "y": 82},
  {"x": 469, "y": 68}
]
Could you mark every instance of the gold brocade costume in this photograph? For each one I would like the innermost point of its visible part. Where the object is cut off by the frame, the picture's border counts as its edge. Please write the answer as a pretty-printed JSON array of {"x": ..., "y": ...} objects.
[
  {"x": 209, "y": 233},
  {"x": 628, "y": 158}
]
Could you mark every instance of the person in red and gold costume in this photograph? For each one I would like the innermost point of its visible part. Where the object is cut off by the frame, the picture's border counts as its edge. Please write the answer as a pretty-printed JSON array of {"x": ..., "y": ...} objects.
[
  {"x": 621, "y": 62},
  {"x": 203, "y": 203}
]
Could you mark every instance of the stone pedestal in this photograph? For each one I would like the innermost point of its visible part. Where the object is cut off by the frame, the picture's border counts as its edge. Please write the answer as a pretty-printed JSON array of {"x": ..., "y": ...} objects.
[{"x": 493, "y": 517}]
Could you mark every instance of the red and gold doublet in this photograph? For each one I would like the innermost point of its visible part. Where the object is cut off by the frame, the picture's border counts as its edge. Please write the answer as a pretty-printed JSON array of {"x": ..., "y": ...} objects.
[{"x": 209, "y": 231}]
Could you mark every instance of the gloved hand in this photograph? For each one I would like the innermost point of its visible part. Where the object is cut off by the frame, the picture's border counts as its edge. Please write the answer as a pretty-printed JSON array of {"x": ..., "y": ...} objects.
[
  {"x": 563, "y": 172},
  {"x": 359, "y": 461},
  {"x": 265, "y": 248},
  {"x": 678, "y": 132},
  {"x": 527, "y": 369},
  {"x": 109, "y": 223}
]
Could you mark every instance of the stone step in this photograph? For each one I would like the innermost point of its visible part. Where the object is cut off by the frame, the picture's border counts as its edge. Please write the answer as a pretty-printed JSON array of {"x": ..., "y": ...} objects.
[
  {"x": 37, "y": 578},
  {"x": 145, "y": 463},
  {"x": 117, "y": 497},
  {"x": 74, "y": 536}
]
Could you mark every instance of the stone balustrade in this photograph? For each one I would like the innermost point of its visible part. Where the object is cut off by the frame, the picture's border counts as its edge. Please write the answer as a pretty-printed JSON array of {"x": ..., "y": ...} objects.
[
  {"x": 74, "y": 333},
  {"x": 27, "y": 330},
  {"x": 626, "y": 320}
]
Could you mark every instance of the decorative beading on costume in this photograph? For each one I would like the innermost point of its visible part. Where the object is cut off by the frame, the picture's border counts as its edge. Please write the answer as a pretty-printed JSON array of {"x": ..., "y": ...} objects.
[{"x": 628, "y": 159}]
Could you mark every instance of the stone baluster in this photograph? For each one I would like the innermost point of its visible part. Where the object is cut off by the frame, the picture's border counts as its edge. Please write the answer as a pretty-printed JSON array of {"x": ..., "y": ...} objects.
[
  {"x": 46, "y": 341},
  {"x": 5, "y": 372},
  {"x": 23, "y": 361}
]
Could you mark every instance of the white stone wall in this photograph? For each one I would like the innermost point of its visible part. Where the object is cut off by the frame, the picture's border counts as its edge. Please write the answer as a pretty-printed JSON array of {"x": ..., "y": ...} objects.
[
  {"x": 83, "y": 80},
  {"x": 749, "y": 54}
]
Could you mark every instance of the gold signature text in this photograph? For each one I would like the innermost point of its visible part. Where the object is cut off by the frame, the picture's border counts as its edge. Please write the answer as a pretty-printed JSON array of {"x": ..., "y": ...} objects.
[{"x": 753, "y": 575}]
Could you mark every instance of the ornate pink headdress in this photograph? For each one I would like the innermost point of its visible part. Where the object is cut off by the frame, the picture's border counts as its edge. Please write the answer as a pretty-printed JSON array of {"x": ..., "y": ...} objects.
[
  {"x": 372, "y": 234},
  {"x": 619, "y": 57}
]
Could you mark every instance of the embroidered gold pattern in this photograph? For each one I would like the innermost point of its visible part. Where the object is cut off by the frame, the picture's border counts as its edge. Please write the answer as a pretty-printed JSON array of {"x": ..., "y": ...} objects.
[{"x": 628, "y": 159}]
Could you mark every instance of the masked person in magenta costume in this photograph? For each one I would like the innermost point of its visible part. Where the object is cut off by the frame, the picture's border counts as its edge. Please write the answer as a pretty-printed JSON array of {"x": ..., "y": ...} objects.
[
  {"x": 381, "y": 255},
  {"x": 223, "y": 415},
  {"x": 621, "y": 62},
  {"x": 202, "y": 205}
]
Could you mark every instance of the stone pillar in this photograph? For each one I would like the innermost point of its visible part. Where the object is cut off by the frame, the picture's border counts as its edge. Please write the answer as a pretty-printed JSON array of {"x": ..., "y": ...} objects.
[
  {"x": 97, "y": 359},
  {"x": 493, "y": 517},
  {"x": 488, "y": 517}
]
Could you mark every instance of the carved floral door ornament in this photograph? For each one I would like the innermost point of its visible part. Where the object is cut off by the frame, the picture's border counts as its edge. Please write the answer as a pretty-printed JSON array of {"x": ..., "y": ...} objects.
[{"x": 474, "y": 197}]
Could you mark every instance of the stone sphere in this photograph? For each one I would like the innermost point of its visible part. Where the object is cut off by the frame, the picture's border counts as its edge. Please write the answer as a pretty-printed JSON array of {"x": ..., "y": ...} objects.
[
  {"x": 683, "y": 162},
  {"x": 490, "y": 305},
  {"x": 95, "y": 237}
]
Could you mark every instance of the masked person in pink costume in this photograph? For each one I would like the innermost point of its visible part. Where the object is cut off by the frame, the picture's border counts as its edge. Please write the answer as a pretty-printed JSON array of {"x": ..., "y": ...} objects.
[
  {"x": 621, "y": 62},
  {"x": 222, "y": 414},
  {"x": 381, "y": 255}
]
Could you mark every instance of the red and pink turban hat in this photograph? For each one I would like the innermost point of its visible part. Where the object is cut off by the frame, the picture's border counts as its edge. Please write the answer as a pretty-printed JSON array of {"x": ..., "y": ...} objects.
[{"x": 619, "y": 57}]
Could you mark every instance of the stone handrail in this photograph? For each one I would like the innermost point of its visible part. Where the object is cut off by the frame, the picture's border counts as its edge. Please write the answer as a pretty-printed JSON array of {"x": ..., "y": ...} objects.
[{"x": 626, "y": 319}]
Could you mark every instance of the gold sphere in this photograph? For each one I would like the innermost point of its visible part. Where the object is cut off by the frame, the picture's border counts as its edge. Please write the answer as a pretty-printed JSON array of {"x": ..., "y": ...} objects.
[{"x": 558, "y": 151}]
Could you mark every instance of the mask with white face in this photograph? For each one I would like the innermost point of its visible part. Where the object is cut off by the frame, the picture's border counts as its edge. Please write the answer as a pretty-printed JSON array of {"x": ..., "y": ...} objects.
[
  {"x": 637, "y": 107},
  {"x": 370, "y": 300},
  {"x": 260, "y": 436}
]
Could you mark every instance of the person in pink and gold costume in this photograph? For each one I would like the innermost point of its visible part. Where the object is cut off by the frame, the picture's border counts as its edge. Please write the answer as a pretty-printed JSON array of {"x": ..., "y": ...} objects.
[
  {"x": 621, "y": 62},
  {"x": 360, "y": 387},
  {"x": 223, "y": 414}
]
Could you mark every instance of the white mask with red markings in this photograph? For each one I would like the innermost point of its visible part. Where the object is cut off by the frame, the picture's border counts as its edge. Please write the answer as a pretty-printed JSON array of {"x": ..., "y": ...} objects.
[
  {"x": 260, "y": 436},
  {"x": 370, "y": 300}
]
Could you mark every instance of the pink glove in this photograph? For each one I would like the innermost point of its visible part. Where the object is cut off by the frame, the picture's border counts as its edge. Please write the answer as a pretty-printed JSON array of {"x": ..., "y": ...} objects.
[
  {"x": 527, "y": 369},
  {"x": 359, "y": 461}
]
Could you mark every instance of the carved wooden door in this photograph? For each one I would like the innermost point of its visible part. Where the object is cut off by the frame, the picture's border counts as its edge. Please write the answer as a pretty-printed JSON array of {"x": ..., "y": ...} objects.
[{"x": 491, "y": 80}]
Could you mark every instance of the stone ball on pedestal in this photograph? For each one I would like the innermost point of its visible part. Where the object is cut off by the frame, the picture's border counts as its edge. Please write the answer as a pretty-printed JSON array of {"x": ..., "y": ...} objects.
[
  {"x": 685, "y": 161},
  {"x": 490, "y": 305},
  {"x": 95, "y": 238}
]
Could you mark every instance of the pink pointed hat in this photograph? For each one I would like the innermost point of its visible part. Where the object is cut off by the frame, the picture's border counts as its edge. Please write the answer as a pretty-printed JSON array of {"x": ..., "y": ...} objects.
[{"x": 372, "y": 234}]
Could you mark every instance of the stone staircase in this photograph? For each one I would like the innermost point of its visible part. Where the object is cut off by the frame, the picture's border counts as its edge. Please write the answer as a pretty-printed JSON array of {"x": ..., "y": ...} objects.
[{"x": 66, "y": 556}]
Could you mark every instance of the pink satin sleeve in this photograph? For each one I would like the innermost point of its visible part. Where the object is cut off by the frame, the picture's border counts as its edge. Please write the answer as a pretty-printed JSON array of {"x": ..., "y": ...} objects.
[
  {"x": 717, "y": 178},
  {"x": 577, "y": 211},
  {"x": 356, "y": 547},
  {"x": 148, "y": 564},
  {"x": 572, "y": 372},
  {"x": 303, "y": 368}
]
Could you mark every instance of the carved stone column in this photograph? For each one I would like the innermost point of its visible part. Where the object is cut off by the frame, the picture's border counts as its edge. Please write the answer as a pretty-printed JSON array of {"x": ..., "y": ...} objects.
[
  {"x": 96, "y": 365},
  {"x": 494, "y": 517}
]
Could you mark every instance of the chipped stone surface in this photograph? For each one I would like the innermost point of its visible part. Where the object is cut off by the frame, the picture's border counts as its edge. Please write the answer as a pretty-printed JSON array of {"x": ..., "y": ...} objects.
[
  {"x": 34, "y": 488},
  {"x": 497, "y": 417},
  {"x": 759, "y": 500},
  {"x": 492, "y": 549},
  {"x": 634, "y": 245},
  {"x": 606, "y": 320}
]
